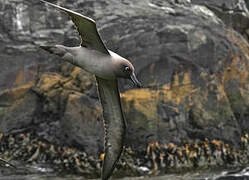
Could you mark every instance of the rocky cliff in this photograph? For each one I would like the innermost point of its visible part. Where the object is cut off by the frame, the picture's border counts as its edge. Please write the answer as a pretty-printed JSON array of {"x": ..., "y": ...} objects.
[{"x": 192, "y": 59}]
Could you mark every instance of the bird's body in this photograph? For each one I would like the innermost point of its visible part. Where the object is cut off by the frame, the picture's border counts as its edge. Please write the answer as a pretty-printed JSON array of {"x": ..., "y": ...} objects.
[
  {"x": 95, "y": 62},
  {"x": 86, "y": 59},
  {"x": 107, "y": 66}
]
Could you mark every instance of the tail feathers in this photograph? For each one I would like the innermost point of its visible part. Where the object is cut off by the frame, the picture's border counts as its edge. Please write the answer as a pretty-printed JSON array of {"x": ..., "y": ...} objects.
[{"x": 57, "y": 50}]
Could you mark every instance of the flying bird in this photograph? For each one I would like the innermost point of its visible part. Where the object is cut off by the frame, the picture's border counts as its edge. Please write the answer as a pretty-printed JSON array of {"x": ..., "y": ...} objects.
[{"x": 93, "y": 56}]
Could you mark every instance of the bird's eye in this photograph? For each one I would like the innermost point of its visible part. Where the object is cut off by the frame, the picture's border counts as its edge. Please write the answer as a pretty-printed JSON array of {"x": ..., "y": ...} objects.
[{"x": 127, "y": 69}]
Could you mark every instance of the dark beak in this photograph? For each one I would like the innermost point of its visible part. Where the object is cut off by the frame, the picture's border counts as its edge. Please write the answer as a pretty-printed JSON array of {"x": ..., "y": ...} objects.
[{"x": 135, "y": 81}]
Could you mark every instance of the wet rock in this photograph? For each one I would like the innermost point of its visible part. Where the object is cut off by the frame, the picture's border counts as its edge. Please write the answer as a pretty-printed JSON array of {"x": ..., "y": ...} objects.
[
  {"x": 31, "y": 154},
  {"x": 201, "y": 154}
]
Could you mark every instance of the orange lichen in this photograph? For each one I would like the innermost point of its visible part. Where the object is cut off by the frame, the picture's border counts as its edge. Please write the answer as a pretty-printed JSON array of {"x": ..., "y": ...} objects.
[
  {"x": 151, "y": 146},
  {"x": 146, "y": 100},
  {"x": 240, "y": 42},
  {"x": 171, "y": 145},
  {"x": 192, "y": 154},
  {"x": 217, "y": 143},
  {"x": 179, "y": 90},
  {"x": 16, "y": 93},
  {"x": 236, "y": 70},
  {"x": 142, "y": 99},
  {"x": 19, "y": 78},
  {"x": 212, "y": 152},
  {"x": 221, "y": 92},
  {"x": 187, "y": 149},
  {"x": 49, "y": 82},
  {"x": 75, "y": 72}
]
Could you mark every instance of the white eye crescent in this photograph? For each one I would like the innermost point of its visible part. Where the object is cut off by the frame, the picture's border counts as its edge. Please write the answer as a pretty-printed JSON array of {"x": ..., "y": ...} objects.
[{"x": 127, "y": 69}]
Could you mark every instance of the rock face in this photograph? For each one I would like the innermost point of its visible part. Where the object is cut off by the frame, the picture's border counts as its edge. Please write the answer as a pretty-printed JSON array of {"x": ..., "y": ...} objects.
[
  {"x": 70, "y": 109},
  {"x": 17, "y": 108},
  {"x": 193, "y": 66},
  {"x": 234, "y": 13}
]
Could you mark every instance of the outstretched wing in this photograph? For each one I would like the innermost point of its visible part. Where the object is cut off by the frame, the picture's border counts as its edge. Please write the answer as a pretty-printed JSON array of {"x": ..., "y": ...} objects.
[
  {"x": 114, "y": 124},
  {"x": 86, "y": 27}
]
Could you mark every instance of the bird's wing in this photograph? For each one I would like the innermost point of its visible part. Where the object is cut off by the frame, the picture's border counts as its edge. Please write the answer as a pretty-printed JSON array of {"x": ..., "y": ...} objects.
[
  {"x": 86, "y": 27},
  {"x": 114, "y": 124}
]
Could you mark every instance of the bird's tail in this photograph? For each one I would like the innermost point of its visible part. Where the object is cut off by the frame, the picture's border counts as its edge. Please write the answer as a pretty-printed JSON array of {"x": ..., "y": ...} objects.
[
  {"x": 56, "y": 49},
  {"x": 64, "y": 52}
]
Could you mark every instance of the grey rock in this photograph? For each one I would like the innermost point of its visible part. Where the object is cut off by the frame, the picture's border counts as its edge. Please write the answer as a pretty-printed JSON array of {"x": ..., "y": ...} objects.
[
  {"x": 234, "y": 13},
  {"x": 17, "y": 108},
  {"x": 81, "y": 123}
]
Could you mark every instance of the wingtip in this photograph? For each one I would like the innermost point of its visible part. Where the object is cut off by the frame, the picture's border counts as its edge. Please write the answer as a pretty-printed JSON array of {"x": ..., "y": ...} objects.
[
  {"x": 105, "y": 175},
  {"x": 46, "y": 48},
  {"x": 43, "y": 1},
  {"x": 109, "y": 164},
  {"x": 46, "y": 2},
  {"x": 68, "y": 11}
]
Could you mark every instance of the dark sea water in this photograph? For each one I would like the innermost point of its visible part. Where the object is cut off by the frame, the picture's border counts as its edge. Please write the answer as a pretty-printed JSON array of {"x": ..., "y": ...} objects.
[{"x": 41, "y": 173}]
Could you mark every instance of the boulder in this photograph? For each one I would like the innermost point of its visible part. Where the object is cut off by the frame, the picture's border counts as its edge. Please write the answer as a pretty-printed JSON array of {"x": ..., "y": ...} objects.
[
  {"x": 17, "y": 108},
  {"x": 70, "y": 112},
  {"x": 82, "y": 125}
]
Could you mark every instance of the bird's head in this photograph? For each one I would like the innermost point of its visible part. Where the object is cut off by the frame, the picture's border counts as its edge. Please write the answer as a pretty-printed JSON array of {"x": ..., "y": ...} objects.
[{"x": 124, "y": 69}]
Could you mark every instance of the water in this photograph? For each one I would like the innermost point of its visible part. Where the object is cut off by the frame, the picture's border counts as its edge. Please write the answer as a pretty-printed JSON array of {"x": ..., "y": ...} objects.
[{"x": 42, "y": 173}]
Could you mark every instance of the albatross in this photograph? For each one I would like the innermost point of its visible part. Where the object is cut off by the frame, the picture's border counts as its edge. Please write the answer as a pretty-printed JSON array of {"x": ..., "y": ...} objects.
[{"x": 93, "y": 56}]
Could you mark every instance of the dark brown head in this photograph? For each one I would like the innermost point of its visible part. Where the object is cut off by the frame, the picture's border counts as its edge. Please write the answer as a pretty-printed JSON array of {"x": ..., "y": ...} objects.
[{"x": 124, "y": 69}]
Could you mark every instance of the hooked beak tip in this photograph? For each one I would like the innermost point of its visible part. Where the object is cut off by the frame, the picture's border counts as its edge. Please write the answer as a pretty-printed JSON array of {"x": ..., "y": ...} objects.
[
  {"x": 139, "y": 85},
  {"x": 135, "y": 81}
]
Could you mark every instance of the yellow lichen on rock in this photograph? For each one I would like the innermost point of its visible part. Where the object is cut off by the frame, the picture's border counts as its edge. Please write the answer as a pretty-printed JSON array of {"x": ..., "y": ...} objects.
[
  {"x": 236, "y": 70},
  {"x": 141, "y": 99},
  {"x": 146, "y": 100},
  {"x": 179, "y": 90},
  {"x": 239, "y": 68},
  {"x": 9, "y": 96},
  {"x": 75, "y": 72},
  {"x": 221, "y": 93},
  {"x": 19, "y": 78},
  {"x": 49, "y": 82},
  {"x": 242, "y": 44}
]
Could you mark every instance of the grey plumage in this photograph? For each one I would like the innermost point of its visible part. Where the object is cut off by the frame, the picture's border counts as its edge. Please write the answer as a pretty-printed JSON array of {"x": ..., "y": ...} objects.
[
  {"x": 115, "y": 125},
  {"x": 107, "y": 66}
]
